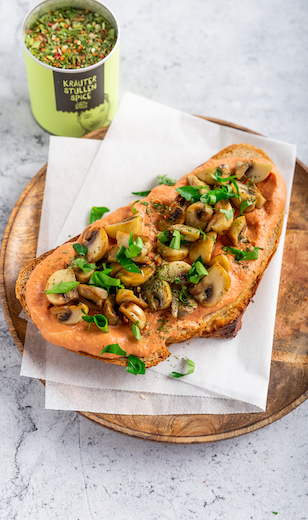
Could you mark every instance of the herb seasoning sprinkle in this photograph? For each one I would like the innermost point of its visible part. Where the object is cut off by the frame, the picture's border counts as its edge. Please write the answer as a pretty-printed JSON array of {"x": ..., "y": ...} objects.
[{"x": 71, "y": 38}]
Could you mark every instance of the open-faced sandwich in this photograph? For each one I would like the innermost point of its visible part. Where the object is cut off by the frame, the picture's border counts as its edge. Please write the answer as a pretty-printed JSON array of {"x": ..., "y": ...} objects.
[{"x": 183, "y": 262}]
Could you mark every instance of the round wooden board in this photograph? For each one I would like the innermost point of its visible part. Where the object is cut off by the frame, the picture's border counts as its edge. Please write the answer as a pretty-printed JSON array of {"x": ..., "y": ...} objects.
[{"x": 288, "y": 386}]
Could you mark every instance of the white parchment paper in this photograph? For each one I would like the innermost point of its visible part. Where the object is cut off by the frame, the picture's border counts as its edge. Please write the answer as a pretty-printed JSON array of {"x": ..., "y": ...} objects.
[{"x": 147, "y": 139}]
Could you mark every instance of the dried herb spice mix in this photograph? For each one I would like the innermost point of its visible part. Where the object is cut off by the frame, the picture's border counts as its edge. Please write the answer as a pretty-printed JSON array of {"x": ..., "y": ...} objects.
[{"x": 71, "y": 38}]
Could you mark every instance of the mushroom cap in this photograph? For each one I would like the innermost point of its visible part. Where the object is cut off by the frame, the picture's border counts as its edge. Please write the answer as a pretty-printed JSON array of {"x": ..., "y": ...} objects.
[
  {"x": 198, "y": 215},
  {"x": 174, "y": 272},
  {"x": 62, "y": 275},
  {"x": 70, "y": 314},
  {"x": 127, "y": 295},
  {"x": 158, "y": 294},
  {"x": 259, "y": 171},
  {"x": 237, "y": 227},
  {"x": 242, "y": 167},
  {"x": 219, "y": 222},
  {"x": 203, "y": 248},
  {"x": 90, "y": 292},
  {"x": 96, "y": 240},
  {"x": 246, "y": 192},
  {"x": 169, "y": 254},
  {"x": 222, "y": 260},
  {"x": 110, "y": 310},
  {"x": 135, "y": 279},
  {"x": 213, "y": 287},
  {"x": 190, "y": 233},
  {"x": 127, "y": 225},
  {"x": 134, "y": 313}
]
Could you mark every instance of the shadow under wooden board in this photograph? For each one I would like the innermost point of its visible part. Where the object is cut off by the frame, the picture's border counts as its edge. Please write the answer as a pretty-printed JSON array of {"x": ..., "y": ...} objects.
[{"x": 288, "y": 386}]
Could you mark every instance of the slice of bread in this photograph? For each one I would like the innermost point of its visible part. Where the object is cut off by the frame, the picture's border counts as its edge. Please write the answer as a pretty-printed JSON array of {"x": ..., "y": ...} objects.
[{"x": 224, "y": 322}]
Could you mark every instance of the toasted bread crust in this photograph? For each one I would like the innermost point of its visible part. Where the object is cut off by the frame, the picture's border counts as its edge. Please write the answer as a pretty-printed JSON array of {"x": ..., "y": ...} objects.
[{"x": 224, "y": 323}]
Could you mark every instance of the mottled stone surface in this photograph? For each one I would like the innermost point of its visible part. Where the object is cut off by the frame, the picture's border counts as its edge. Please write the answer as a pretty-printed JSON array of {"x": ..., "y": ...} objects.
[{"x": 241, "y": 61}]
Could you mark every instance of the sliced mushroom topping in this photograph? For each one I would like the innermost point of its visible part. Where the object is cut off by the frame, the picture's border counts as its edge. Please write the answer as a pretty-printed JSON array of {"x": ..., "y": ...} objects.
[
  {"x": 220, "y": 222},
  {"x": 134, "y": 313},
  {"x": 127, "y": 225},
  {"x": 222, "y": 260},
  {"x": 225, "y": 170},
  {"x": 175, "y": 303},
  {"x": 147, "y": 248},
  {"x": 171, "y": 255},
  {"x": 186, "y": 308},
  {"x": 180, "y": 309},
  {"x": 247, "y": 193},
  {"x": 134, "y": 279},
  {"x": 96, "y": 240},
  {"x": 127, "y": 295},
  {"x": 241, "y": 168},
  {"x": 206, "y": 175},
  {"x": 81, "y": 275},
  {"x": 174, "y": 272},
  {"x": 95, "y": 294},
  {"x": 110, "y": 310},
  {"x": 70, "y": 314},
  {"x": 236, "y": 229},
  {"x": 158, "y": 294},
  {"x": 203, "y": 248},
  {"x": 112, "y": 255},
  {"x": 123, "y": 240},
  {"x": 195, "y": 182},
  {"x": 63, "y": 275},
  {"x": 259, "y": 171},
  {"x": 198, "y": 215},
  {"x": 260, "y": 199},
  {"x": 116, "y": 268},
  {"x": 213, "y": 287},
  {"x": 189, "y": 233},
  {"x": 176, "y": 213}
]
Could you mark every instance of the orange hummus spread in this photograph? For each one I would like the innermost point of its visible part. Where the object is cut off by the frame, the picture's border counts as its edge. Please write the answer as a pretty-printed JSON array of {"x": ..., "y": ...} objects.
[{"x": 154, "y": 213}]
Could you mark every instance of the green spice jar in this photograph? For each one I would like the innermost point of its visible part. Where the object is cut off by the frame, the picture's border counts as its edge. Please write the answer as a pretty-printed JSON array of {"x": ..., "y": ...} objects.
[{"x": 71, "y": 50}]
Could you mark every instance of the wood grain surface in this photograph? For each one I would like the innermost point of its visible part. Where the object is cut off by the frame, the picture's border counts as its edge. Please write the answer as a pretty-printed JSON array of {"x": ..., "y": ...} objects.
[{"x": 288, "y": 386}]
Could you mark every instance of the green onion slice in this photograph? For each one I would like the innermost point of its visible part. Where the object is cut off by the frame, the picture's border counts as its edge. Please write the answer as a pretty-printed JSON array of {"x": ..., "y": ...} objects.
[
  {"x": 99, "y": 320},
  {"x": 176, "y": 240},
  {"x": 197, "y": 271},
  {"x": 228, "y": 213},
  {"x": 136, "y": 330},
  {"x": 102, "y": 279},
  {"x": 134, "y": 247},
  {"x": 97, "y": 213},
  {"x": 189, "y": 193},
  {"x": 83, "y": 265},
  {"x": 114, "y": 348},
  {"x": 164, "y": 237},
  {"x": 245, "y": 204},
  {"x": 164, "y": 179},
  {"x": 190, "y": 369},
  {"x": 80, "y": 249},
  {"x": 133, "y": 204},
  {"x": 135, "y": 365},
  {"x": 62, "y": 288},
  {"x": 127, "y": 263},
  {"x": 243, "y": 255},
  {"x": 141, "y": 193}
]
